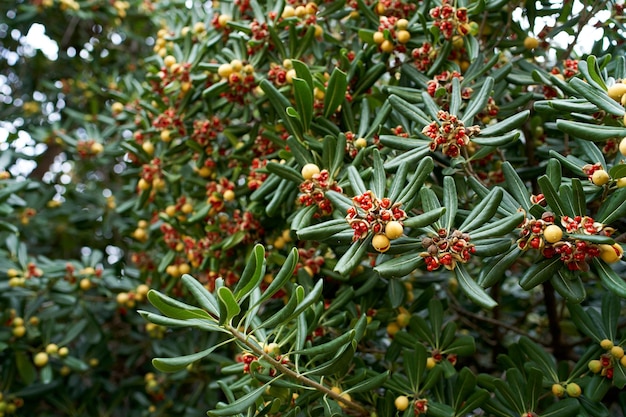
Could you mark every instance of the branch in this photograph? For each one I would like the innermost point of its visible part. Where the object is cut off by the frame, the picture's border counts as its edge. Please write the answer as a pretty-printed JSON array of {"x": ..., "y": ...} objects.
[{"x": 293, "y": 374}]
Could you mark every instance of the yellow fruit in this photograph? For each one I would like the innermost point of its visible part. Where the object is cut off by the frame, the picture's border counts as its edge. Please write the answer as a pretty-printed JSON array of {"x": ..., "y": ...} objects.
[
  {"x": 224, "y": 70},
  {"x": 611, "y": 253},
  {"x": 309, "y": 170},
  {"x": 530, "y": 42},
  {"x": 169, "y": 60},
  {"x": 573, "y": 389},
  {"x": 379, "y": 37},
  {"x": 617, "y": 352},
  {"x": 63, "y": 352},
  {"x": 622, "y": 361},
  {"x": 381, "y": 243},
  {"x": 184, "y": 268},
  {"x": 148, "y": 148},
  {"x": 387, "y": 46},
  {"x": 19, "y": 331},
  {"x": 622, "y": 146},
  {"x": 288, "y": 12},
  {"x": 41, "y": 359},
  {"x": 85, "y": 284},
  {"x": 187, "y": 208},
  {"x": 558, "y": 390},
  {"x": 392, "y": 328},
  {"x": 394, "y": 230},
  {"x": 121, "y": 298},
  {"x": 229, "y": 195},
  {"x": 600, "y": 177},
  {"x": 52, "y": 349},
  {"x": 430, "y": 363},
  {"x": 117, "y": 107},
  {"x": 402, "y": 24},
  {"x": 290, "y": 74},
  {"x": 360, "y": 143},
  {"x": 319, "y": 31},
  {"x": 616, "y": 91},
  {"x": 223, "y": 19},
  {"x": 401, "y": 402},
  {"x": 403, "y": 36},
  {"x": 166, "y": 135},
  {"x": 595, "y": 366},
  {"x": 403, "y": 319},
  {"x": 606, "y": 343},
  {"x": 621, "y": 182},
  {"x": 552, "y": 233},
  {"x": 142, "y": 289}
]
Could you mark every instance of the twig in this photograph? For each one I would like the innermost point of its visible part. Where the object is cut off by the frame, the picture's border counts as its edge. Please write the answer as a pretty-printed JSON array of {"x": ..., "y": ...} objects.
[{"x": 292, "y": 374}]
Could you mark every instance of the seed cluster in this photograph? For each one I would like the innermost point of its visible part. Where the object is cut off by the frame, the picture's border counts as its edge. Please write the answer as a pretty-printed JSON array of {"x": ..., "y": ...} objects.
[
  {"x": 371, "y": 214},
  {"x": 313, "y": 191},
  {"x": 451, "y": 134},
  {"x": 612, "y": 357},
  {"x": 447, "y": 248},
  {"x": 424, "y": 56},
  {"x": 575, "y": 253},
  {"x": 420, "y": 406},
  {"x": 450, "y": 20}
]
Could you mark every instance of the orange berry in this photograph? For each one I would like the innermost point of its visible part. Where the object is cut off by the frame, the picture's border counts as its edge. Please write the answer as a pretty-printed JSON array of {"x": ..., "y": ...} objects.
[
  {"x": 387, "y": 46},
  {"x": 393, "y": 230},
  {"x": 611, "y": 253},
  {"x": 530, "y": 42},
  {"x": 381, "y": 243}
]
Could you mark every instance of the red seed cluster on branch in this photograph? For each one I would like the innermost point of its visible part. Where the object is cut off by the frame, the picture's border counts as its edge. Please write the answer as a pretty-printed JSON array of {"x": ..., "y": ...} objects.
[
  {"x": 548, "y": 237},
  {"x": 395, "y": 8},
  {"x": 420, "y": 406},
  {"x": 447, "y": 248},
  {"x": 371, "y": 214},
  {"x": 443, "y": 82},
  {"x": 314, "y": 192},
  {"x": 424, "y": 56},
  {"x": 451, "y": 134},
  {"x": 450, "y": 20}
]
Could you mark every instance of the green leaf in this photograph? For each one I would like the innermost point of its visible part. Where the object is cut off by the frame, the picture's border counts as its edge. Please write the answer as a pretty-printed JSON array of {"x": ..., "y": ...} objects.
[
  {"x": 618, "y": 171},
  {"x": 408, "y": 110},
  {"x": 181, "y": 362},
  {"x": 588, "y": 131},
  {"x": 478, "y": 101},
  {"x": 329, "y": 348},
  {"x": 455, "y": 97},
  {"x": 537, "y": 354},
  {"x": 378, "y": 180},
  {"x": 285, "y": 171},
  {"x": 338, "y": 365},
  {"x": 353, "y": 256},
  {"x": 206, "y": 299},
  {"x": 252, "y": 274},
  {"x": 609, "y": 278},
  {"x": 571, "y": 289},
  {"x": 599, "y": 97},
  {"x": 585, "y": 323},
  {"x": 372, "y": 382},
  {"x": 227, "y": 304},
  {"x": 498, "y": 228},
  {"x": 400, "y": 266},
  {"x": 174, "y": 308},
  {"x": 506, "y": 125},
  {"x": 613, "y": 208},
  {"x": 283, "y": 275},
  {"x": 483, "y": 211},
  {"x": 552, "y": 197},
  {"x": 450, "y": 202},
  {"x": 280, "y": 104},
  {"x": 282, "y": 315},
  {"x": 473, "y": 291},
  {"x": 240, "y": 405},
  {"x": 415, "y": 365},
  {"x": 494, "y": 270},
  {"x": 335, "y": 91},
  {"x": 568, "y": 407},
  {"x": 25, "y": 367},
  {"x": 303, "y": 72},
  {"x": 540, "y": 272},
  {"x": 303, "y": 95},
  {"x": 463, "y": 345},
  {"x": 515, "y": 186}
]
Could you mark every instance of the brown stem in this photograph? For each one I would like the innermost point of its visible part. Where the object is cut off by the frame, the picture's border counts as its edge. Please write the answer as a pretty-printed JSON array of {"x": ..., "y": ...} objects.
[
  {"x": 293, "y": 374},
  {"x": 498, "y": 323},
  {"x": 553, "y": 319}
]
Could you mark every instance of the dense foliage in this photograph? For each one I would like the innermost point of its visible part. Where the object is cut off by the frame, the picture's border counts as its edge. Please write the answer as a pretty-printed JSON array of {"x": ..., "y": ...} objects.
[{"x": 299, "y": 209}]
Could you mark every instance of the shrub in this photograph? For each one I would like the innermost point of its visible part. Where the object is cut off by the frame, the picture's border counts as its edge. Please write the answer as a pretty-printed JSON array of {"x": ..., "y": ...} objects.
[{"x": 344, "y": 208}]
